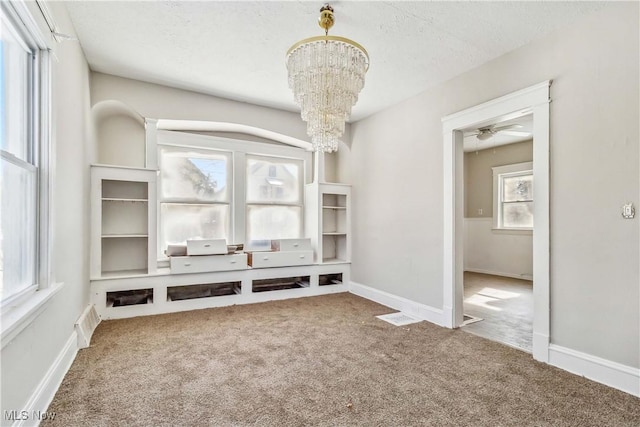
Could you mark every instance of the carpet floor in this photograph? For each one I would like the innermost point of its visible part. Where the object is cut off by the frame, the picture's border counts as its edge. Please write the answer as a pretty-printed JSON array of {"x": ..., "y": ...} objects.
[{"x": 318, "y": 361}]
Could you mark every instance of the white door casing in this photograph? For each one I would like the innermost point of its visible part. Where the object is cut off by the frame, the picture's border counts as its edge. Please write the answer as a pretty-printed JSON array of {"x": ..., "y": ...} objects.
[{"x": 532, "y": 100}]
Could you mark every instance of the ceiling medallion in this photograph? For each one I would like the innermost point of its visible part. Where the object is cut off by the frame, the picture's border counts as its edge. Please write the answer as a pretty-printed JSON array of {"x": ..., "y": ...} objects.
[{"x": 326, "y": 74}]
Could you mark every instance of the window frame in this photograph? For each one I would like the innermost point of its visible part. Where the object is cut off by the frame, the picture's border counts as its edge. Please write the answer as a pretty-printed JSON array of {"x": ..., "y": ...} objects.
[
  {"x": 499, "y": 173},
  {"x": 273, "y": 203},
  {"x": 21, "y": 308},
  {"x": 239, "y": 150}
]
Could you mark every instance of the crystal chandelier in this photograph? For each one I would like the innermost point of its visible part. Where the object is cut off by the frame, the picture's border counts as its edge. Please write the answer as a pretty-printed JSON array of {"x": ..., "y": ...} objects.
[{"x": 326, "y": 74}]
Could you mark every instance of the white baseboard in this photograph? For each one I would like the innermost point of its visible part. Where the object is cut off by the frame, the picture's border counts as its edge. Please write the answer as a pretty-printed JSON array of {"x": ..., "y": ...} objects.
[
  {"x": 604, "y": 371},
  {"x": 500, "y": 273},
  {"x": 412, "y": 308},
  {"x": 46, "y": 390}
]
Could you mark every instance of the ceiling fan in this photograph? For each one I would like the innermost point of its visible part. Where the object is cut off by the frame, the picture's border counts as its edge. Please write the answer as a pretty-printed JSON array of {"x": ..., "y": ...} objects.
[{"x": 487, "y": 132}]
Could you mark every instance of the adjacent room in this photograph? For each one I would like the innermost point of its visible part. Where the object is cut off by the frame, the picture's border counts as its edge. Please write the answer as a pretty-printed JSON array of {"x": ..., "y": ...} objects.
[{"x": 296, "y": 213}]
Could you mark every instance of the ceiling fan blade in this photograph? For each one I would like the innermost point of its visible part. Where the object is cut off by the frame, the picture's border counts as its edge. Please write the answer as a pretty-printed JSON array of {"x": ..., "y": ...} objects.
[
  {"x": 515, "y": 133},
  {"x": 506, "y": 127}
]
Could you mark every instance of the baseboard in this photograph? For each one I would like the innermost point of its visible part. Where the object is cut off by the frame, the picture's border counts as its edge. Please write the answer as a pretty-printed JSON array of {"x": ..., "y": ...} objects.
[
  {"x": 500, "y": 273},
  {"x": 415, "y": 309},
  {"x": 604, "y": 371},
  {"x": 540, "y": 347},
  {"x": 46, "y": 390}
]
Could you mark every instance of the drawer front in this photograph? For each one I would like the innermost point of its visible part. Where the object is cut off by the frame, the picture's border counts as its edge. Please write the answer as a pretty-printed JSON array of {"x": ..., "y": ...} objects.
[
  {"x": 203, "y": 264},
  {"x": 207, "y": 247},
  {"x": 281, "y": 259},
  {"x": 291, "y": 245}
]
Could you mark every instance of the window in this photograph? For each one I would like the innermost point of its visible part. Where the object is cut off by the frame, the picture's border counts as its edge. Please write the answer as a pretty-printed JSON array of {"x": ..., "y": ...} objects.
[
  {"x": 513, "y": 196},
  {"x": 195, "y": 195},
  {"x": 274, "y": 198},
  {"x": 242, "y": 191},
  {"x": 23, "y": 158}
]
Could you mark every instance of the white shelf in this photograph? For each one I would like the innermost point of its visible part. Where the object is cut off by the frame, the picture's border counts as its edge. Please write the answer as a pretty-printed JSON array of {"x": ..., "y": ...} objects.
[
  {"x": 118, "y": 199},
  {"x": 334, "y": 207},
  {"x": 334, "y": 233},
  {"x": 123, "y": 273},
  {"x": 334, "y": 261},
  {"x": 116, "y": 236}
]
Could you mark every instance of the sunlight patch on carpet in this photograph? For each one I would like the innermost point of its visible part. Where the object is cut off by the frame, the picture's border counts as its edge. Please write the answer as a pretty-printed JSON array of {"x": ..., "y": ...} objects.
[{"x": 398, "y": 319}]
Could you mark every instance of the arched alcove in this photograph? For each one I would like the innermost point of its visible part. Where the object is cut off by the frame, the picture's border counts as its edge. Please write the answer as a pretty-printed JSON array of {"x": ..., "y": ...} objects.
[{"x": 119, "y": 133}]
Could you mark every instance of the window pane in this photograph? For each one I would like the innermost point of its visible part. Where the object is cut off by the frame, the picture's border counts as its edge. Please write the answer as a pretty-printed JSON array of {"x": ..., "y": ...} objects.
[
  {"x": 198, "y": 176},
  {"x": 273, "y": 222},
  {"x": 14, "y": 93},
  {"x": 516, "y": 188},
  {"x": 517, "y": 215},
  {"x": 274, "y": 180},
  {"x": 17, "y": 234},
  {"x": 181, "y": 222}
]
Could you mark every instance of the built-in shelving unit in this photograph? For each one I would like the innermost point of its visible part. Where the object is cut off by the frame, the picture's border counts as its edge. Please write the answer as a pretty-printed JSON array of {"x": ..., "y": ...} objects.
[
  {"x": 127, "y": 280},
  {"x": 328, "y": 221},
  {"x": 123, "y": 221}
]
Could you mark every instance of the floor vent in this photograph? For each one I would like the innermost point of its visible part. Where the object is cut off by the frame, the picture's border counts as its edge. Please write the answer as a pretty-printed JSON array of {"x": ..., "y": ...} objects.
[
  {"x": 86, "y": 324},
  {"x": 467, "y": 320},
  {"x": 398, "y": 319}
]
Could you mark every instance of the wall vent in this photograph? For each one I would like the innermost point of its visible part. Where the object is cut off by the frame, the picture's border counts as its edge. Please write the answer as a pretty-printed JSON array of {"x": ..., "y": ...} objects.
[{"x": 86, "y": 324}]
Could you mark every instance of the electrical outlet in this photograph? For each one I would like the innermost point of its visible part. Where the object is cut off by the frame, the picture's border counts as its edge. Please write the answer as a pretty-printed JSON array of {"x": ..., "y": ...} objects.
[
  {"x": 628, "y": 211},
  {"x": 479, "y": 211}
]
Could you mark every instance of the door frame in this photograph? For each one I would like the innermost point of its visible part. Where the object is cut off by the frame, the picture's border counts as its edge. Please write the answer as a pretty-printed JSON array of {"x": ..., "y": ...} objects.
[{"x": 532, "y": 100}]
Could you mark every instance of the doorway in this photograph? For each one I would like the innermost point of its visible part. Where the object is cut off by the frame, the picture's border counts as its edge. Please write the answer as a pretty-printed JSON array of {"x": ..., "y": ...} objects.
[
  {"x": 498, "y": 231},
  {"x": 530, "y": 101}
]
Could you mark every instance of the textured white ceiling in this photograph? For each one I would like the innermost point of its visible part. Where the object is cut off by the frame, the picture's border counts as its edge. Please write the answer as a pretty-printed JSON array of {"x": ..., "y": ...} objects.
[{"x": 236, "y": 49}]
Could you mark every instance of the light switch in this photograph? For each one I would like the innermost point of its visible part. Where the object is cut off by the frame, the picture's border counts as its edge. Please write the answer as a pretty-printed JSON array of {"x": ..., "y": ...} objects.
[{"x": 628, "y": 211}]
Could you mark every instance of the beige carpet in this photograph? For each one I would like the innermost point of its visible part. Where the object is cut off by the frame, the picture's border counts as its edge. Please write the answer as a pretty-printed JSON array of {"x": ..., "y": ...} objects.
[{"x": 318, "y": 361}]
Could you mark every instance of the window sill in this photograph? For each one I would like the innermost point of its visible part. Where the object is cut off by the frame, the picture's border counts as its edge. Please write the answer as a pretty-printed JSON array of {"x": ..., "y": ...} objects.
[
  {"x": 515, "y": 231},
  {"x": 17, "y": 317}
]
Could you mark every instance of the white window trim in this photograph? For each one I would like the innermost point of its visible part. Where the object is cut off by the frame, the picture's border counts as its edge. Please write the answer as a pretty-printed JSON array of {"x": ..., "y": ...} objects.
[
  {"x": 239, "y": 149},
  {"x": 21, "y": 309},
  {"x": 502, "y": 170}
]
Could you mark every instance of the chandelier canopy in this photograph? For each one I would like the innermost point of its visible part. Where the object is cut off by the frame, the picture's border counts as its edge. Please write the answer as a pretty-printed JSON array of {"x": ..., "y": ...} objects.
[{"x": 326, "y": 74}]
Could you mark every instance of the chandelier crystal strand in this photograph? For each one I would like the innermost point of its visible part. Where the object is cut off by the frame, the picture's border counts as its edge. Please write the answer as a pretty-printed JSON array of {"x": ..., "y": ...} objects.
[{"x": 326, "y": 74}]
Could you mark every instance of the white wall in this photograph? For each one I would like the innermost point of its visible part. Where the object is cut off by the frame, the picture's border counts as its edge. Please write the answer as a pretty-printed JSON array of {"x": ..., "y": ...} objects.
[
  {"x": 162, "y": 102},
  {"x": 395, "y": 166},
  {"x": 27, "y": 358},
  {"x": 501, "y": 252}
]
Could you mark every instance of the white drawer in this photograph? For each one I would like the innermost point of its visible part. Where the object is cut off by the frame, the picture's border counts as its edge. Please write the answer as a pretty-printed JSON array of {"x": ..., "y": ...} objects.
[
  {"x": 280, "y": 259},
  {"x": 291, "y": 245},
  {"x": 207, "y": 247},
  {"x": 203, "y": 264}
]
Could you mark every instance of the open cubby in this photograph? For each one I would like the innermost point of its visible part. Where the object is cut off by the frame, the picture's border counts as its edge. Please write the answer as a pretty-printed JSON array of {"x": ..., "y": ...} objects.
[
  {"x": 334, "y": 248},
  {"x": 207, "y": 290},
  {"x": 132, "y": 297},
  {"x": 130, "y": 190},
  {"x": 124, "y": 217},
  {"x": 330, "y": 279},
  {"x": 263, "y": 285},
  {"x": 337, "y": 201},
  {"x": 124, "y": 254}
]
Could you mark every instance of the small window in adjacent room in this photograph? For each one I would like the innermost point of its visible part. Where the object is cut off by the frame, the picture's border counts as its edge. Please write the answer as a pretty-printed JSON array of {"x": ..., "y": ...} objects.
[
  {"x": 23, "y": 160},
  {"x": 513, "y": 197}
]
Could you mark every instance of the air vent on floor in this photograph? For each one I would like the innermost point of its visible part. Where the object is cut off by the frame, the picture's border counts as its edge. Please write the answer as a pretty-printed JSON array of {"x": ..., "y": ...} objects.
[{"x": 398, "y": 319}]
